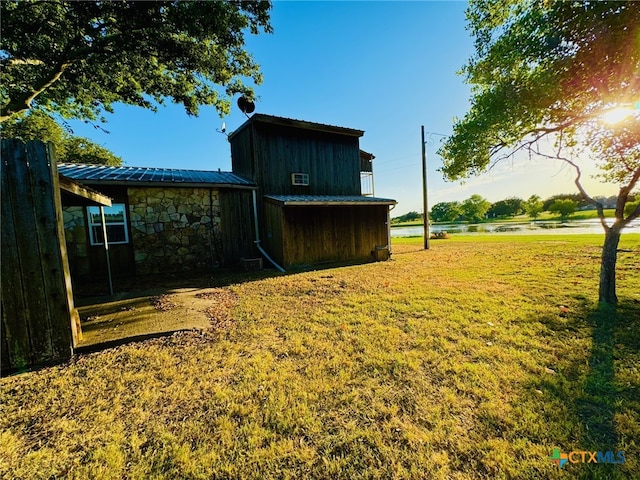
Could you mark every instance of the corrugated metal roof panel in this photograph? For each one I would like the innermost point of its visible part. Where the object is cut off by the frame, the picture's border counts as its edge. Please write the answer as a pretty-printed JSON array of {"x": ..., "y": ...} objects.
[
  {"x": 302, "y": 200},
  {"x": 145, "y": 175}
]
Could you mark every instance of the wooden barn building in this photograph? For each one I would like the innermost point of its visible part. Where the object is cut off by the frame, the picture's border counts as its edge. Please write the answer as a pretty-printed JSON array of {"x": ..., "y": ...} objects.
[
  {"x": 294, "y": 196},
  {"x": 308, "y": 178}
]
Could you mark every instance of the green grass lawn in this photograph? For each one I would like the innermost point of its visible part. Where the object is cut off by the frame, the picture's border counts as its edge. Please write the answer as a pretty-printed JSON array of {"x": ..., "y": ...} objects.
[{"x": 472, "y": 360}]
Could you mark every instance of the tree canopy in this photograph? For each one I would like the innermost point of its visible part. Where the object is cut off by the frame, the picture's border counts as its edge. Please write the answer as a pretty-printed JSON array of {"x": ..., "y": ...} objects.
[
  {"x": 79, "y": 58},
  {"x": 69, "y": 148},
  {"x": 475, "y": 208},
  {"x": 533, "y": 206},
  {"x": 509, "y": 207},
  {"x": 446, "y": 212},
  {"x": 550, "y": 69},
  {"x": 559, "y": 80},
  {"x": 564, "y": 207}
]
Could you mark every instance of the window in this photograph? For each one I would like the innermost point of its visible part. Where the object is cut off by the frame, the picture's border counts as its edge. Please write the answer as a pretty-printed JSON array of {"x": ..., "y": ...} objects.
[
  {"x": 115, "y": 218},
  {"x": 300, "y": 179}
]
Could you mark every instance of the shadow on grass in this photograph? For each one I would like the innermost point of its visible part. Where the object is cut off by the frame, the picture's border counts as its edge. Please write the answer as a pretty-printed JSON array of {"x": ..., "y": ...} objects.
[
  {"x": 129, "y": 316},
  {"x": 602, "y": 395}
]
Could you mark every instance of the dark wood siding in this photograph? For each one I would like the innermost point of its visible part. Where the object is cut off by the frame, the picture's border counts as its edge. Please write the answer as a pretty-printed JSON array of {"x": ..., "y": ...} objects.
[
  {"x": 236, "y": 225},
  {"x": 273, "y": 234},
  {"x": 242, "y": 154},
  {"x": 37, "y": 305},
  {"x": 339, "y": 233},
  {"x": 268, "y": 155},
  {"x": 332, "y": 162}
]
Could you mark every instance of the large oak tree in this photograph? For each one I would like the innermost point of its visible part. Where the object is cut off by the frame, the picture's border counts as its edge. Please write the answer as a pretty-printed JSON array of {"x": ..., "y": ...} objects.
[
  {"x": 79, "y": 58},
  {"x": 546, "y": 77}
]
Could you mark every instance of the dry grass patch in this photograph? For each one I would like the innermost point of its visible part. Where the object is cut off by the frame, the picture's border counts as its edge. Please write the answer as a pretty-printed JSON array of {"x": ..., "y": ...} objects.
[{"x": 470, "y": 361}]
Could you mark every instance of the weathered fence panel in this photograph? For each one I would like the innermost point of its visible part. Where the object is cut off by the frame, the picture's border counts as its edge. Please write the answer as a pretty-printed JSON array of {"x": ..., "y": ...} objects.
[{"x": 37, "y": 303}]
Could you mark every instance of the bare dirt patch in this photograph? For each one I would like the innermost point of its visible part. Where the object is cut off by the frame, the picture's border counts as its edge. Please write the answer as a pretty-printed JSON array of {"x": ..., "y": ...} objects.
[
  {"x": 148, "y": 312},
  {"x": 219, "y": 312},
  {"x": 164, "y": 303}
]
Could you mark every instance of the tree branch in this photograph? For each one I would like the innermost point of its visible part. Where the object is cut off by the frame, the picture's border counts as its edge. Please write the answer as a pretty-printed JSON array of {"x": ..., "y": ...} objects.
[
  {"x": 577, "y": 182},
  {"x": 20, "y": 61},
  {"x": 23, "y": 103}
]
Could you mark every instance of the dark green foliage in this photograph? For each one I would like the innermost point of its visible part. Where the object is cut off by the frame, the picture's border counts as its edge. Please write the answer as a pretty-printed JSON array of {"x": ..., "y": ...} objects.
[
  {"x": 533, "y": 206},
  {"x": 509, "y": 207},
  {"x": 407, "y": 217},
  {"x": 576, "y": 197},
  {"x": 69, "y": 148},
  {"x": 79, "y": 58},
  {"x": 475, "y": 208},
  {"x": 549, "y": 68},
  {"x": 631, "y": 206},
  {"x": 563, "y": 207},
  {"x": 446, "y": 212}
]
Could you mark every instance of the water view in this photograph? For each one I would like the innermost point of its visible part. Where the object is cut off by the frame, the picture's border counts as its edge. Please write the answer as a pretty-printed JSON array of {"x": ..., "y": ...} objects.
[{"x": 551, "y": 227}]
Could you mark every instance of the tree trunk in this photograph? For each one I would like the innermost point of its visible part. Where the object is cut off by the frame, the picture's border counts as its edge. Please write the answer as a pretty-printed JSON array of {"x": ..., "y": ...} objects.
[{"x": 607, "y": 293}]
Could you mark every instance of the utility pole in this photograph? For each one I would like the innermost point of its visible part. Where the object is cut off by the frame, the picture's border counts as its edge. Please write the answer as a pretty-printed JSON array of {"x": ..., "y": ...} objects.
[{"x": 425, "y": 203}]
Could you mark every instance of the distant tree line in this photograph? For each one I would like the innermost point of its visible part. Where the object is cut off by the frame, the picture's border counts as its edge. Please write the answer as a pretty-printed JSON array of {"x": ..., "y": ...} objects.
[{"x": 476, "y": 208}]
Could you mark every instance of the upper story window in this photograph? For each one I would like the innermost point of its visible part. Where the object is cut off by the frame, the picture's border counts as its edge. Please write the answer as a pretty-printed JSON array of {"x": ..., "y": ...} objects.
[
  {"x": 115, "y": 218},
  {"x": 300, "y": 179}
]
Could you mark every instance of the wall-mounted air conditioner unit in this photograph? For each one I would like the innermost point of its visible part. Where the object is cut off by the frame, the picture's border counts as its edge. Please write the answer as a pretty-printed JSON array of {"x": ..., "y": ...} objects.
[{"x": 301, "y": 179}]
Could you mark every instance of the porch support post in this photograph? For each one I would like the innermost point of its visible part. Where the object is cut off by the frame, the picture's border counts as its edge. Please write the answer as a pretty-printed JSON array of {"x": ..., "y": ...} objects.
[{"x": 106, "y": 248}]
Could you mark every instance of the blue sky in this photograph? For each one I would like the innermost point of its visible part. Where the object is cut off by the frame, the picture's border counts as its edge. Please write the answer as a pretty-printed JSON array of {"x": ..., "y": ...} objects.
[{"x": 383, "y": 67}]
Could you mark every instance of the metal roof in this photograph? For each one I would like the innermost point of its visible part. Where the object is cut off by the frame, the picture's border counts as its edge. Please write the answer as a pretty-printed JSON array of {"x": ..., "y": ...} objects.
[
  {"x": 260, "y": 118},
  {"x": 327, "y": 200},
  {"x": 146, "y": 176}
]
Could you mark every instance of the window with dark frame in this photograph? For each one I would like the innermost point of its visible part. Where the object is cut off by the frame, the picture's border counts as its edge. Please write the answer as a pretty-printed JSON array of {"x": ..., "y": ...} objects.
[{"x": 115, "y": 218}]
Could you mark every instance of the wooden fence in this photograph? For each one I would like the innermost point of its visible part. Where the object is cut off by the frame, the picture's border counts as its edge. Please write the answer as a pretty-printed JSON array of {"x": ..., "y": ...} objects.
[{"x": 38, "y": 315}]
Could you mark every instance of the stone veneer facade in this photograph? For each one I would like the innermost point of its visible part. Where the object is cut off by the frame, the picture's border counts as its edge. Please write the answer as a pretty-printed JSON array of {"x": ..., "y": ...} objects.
[{"x": 172, "y": 230}]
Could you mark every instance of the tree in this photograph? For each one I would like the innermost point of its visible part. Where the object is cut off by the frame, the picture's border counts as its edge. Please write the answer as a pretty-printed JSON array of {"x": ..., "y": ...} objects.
[
  {"x": 446, "y": 211},
  {"x": 83, "y": 150},
  {"x": 576, "y": 197},
  {"x": 509, "y": 207},
  {"x": 563, "y": 207},
  {"x": 475, "y": 208},
  {"x": 40, "y": 126},
  {"x": 545, "y": 76},
  {"x": 407, "y": 217},
  {"x": 78, "y": 58},
  {"x": 533, "y": 206}
]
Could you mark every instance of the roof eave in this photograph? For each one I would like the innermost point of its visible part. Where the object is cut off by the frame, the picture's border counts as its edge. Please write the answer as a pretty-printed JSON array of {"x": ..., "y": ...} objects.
[
  {"x": 328, "y": 203},
  {"x": 75, "y": 193},
  {"x": 299, "y": 124},
  {"x": 133, "y": 183}
]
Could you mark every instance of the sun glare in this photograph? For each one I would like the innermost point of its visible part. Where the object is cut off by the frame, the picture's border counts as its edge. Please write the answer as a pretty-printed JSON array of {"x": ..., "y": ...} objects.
[{"x": 617, "y": 115}]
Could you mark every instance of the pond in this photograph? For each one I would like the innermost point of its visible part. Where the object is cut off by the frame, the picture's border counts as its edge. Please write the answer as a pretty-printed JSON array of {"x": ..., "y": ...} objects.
[{"x": 547, "y": 227}]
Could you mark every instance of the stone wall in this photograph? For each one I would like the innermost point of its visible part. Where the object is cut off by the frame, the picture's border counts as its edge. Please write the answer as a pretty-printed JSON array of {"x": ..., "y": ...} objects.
[
  {"x": 75, "y": 230},
  {"x": 174, "y": 229}
]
